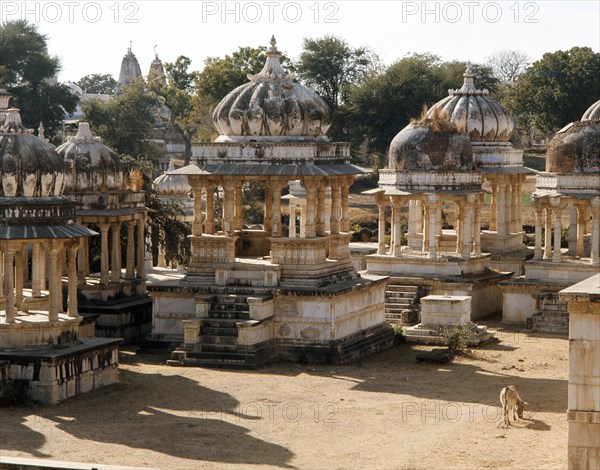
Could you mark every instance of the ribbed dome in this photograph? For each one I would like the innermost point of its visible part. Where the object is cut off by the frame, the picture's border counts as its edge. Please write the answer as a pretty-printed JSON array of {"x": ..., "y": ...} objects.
[
  {"x": 592, "y": 113},
  {"x": 575, "y": 149},
  {"x": 29, "y": 166},
  {"x": 172, "y": 185},
  {"x": 273, "y": 105},
  {"x": 94, "y": 166},
  {"x": 483, "y": 119},
  {"x": 427, "y": 146}
]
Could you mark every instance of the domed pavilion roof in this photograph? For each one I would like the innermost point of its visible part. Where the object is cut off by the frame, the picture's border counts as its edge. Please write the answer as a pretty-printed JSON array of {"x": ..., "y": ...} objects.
[
  {"x": 272, "y": 106},
  {"x": 172, "y": 185},
  {"x": 94, "y": 166},
  {"x": 29, "y": 166},
  {"x": 592, "y": 113},
  {"x": 575, "y": 149},
  {"x": 430, "y": 146},
  {"x": 483, "y": 118}
]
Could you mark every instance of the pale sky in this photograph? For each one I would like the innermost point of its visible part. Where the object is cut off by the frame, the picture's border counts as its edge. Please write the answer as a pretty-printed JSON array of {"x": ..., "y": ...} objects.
[{"x": 93, "y": 36}]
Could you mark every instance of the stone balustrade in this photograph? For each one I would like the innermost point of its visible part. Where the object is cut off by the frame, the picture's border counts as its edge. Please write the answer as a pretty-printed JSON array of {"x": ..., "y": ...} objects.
[
  {"x": 299, "y": 251},
  {"x": 212, "y": 249},
  {"x": 430, "y": 180}
]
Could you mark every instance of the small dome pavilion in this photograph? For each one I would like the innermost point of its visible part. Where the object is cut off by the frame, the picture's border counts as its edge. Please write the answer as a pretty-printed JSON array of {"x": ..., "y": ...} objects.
[{"x": 38, "y": 221}]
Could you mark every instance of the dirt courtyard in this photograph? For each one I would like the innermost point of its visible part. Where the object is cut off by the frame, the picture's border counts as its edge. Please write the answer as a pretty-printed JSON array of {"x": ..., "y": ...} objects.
[{"x": 386, "y": 412}]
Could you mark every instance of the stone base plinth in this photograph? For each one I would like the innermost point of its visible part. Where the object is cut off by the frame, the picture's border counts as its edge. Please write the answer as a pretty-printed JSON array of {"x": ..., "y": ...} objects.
[
  {"x": 409, "y": 263},
  {"x": 492, "y": 242},
  {"x": 445, "y": 310},
  {"x": 33, "y": 331},
  {"x": 130, "y": 319},
  {"x": 434, "y": 334},
  {"x": 54, "y": 374}
]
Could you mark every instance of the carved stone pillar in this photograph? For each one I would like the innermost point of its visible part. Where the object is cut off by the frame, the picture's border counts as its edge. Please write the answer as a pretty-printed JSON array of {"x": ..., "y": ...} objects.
[
  {"x": 381, "y": 204},
  {"x": 336, "y": 209},
  {"x": 433, "y": 211},
  {"x": 115, "y": 268},
  {"x": 238, "y": 208},
  {"x": 514, "y": 197},
  {"x": 72, "y": 281},
  {"x": 425, "y": 248},
  {"x": 548, "y": 234},
  {"x": 276, "y": 226},
  {"x": 572, "y": 235},
  {"x": 595, "y": 235},
  {"x": 9, "y": 283},
  {"x": 19, "y": 278},
  {"x": 268, "y": 217},
  {"x": 556, "y": 256},
  {"x": 141, "y": 247},
  {"x": 321, "y": 210},
  {"x": 1, "y": 273},
  {"x": 292, "y": 227},
  {"x": 345, "y": 190},
  {"x": 477, "y": 225},
  {"x": 53, "y": 309},
  {"x": 104, "y": 253},
  {"x": 467, "y": 247},
  {"x": 494, "y": 207},
  {"x": 80, "y": 261},
  {"x": 197, "y": 223},
  {"x": 311, "y": 202},
  {"x": 460, "y": 229},
  {"x": 209, "y": 224},
  {"x": 502, "y": 210},
  {"x": 537, "y": 253},
  {"x": 397, "y": 225},
  {"x": 579, "y": 246},
  {"x": 130, "y": 264},
  {"x": 519, "y": 214},
  {"x": 228, "y": 208}
]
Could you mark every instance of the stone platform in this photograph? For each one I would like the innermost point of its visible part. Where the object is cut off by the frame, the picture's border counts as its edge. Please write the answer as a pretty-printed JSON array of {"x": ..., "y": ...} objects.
[{"x": 56, "y": 373}]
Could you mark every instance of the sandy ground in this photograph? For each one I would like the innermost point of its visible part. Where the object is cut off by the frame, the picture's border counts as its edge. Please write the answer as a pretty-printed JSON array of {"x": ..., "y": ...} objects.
[{"x": 386, "y": 412}]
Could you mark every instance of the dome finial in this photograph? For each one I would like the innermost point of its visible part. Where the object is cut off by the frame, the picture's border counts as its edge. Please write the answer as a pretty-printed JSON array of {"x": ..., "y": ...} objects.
[
  {"x": 272, "y": 69},
  {"x": 13, "y": 123},
  {"x": 155, "y": 53},
  {"x": 41, "y": 132},
  {"x": 468, "y": 84}
]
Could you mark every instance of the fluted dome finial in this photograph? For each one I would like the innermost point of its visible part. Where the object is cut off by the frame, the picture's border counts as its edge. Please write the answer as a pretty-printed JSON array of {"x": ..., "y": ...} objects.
[
  {"x": 272, "y": 69},
  {"x": 468, "y": 84},
  {"x": 13, "y": 123}
]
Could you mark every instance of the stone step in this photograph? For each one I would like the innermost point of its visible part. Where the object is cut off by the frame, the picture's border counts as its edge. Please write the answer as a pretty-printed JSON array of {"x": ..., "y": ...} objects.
[
  {"x": 221, "y": 322},
  {"x": 399, "y": 295},
  {"x": 228, "y": 315},
  {"x": 208, "y": 331},
  {"x": 396, "y": 302},
  {"x": 397, "y": 310},
  {"x": 217, "y": 340},
  {"x": 229, "y": 307},
  {"x": 399, "y": 288},
  {"x": 218, "y": 348},
  {"x": 555, "y": 307}
]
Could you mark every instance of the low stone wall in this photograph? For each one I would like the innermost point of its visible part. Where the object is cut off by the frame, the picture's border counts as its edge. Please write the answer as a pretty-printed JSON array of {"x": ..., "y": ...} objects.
[{"x": 54, "y": 375}]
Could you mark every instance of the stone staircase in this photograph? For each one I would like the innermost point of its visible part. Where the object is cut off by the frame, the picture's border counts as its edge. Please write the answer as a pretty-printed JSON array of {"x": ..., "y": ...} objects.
[
  {"x": 217, "y": 345},
  {"x": 402, "y": 305},
  {"x": 552, "y": 316}
]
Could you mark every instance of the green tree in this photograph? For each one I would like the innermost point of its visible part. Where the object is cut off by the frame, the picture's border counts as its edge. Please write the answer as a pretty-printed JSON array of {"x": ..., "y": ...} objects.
[
  {"x": 181, "y": 106},
  {"x": 98, "y": 83},
  {"x": 329, "y": 66},
  {"x": 27, "y": 71},
  {"x": 555, "y": 90},
  {"x": 125, "y": 122}
]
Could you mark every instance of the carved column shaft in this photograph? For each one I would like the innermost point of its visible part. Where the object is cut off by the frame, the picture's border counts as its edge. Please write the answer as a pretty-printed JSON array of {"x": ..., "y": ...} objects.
[
  {"x": 53, "y": 283},
  {"x": 197, "y": 223},
  {"x": 556, "y": 256},
  {"x": 433, "y": 211},
  {"x": 397, "y": 226},
  {"x": 141, "y": 247},
  {"x": 579, "y": 245},
  {"x": 9, "y": 284},
  {"x": 276, "y": 225},
  {"x": 72, "y": 281},
  {"x": 209, "y": 224},
  {"x": 381, "y": 204},
  {"x": 537, "y": 253},
  {"x": 494, "y": 207},
  {"x": 595, "y": 235},
  {"x": 336, "y": 209},
  {"x": 130, "y": 265},
  {"x": 345, "y": 195},
  {"x": 19, "y": 274},
  {"x": 311, "y": 200},
  {"x": 548, "y": 234},
  {"x": 115, "y": 271},
  {"x": 104, "y": 253},
  {"x": 268, "y": 217}
]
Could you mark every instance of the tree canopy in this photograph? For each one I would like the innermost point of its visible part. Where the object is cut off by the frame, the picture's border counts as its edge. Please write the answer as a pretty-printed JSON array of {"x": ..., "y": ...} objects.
[
  {"x": 28, "y": 71},
  {"x": 98, "y": 83},
  {"x": 509, "y": 64},
  {"x": 330, "y": 66},
  {"x": 125, "y": 122},
  {"x": 556, "y": 90},
  {"x": 181, "y": 106}
]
